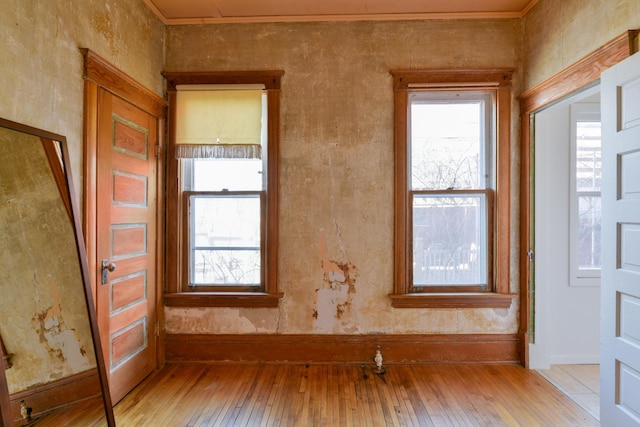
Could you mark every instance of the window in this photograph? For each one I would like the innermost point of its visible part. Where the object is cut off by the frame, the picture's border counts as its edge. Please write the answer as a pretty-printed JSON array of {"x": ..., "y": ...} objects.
[
  {"x": 585, "y": 202},
  {"x": 451, "y": 174},
  {"x": 223, "y": 159}
]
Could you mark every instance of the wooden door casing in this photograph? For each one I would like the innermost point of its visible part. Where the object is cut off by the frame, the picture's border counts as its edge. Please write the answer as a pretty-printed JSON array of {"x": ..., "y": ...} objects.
[{"x": 102, "y": 79}]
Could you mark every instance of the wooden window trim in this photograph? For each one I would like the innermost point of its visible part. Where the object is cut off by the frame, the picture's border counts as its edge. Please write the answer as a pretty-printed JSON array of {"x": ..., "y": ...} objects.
[
  {"x": 174, "y": 294},
  {"x": 403, "y": 82}
]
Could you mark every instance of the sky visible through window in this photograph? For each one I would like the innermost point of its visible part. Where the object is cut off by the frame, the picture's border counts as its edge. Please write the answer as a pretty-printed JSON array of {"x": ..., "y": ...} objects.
[{"x": 445, "y": 145}]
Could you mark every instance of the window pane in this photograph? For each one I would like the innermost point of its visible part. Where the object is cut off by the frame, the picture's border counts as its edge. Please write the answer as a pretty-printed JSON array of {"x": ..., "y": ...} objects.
[
  {"x": 449, "y": 240},
  {"x": 446, "y": 145},
  {"x": 225, "y": 239},
  {"x": 239, "y": 267},
  {"x": 589, "y": 214},
  {"x": 229, "y": 174},
  {"x": 588, "y": 156}
]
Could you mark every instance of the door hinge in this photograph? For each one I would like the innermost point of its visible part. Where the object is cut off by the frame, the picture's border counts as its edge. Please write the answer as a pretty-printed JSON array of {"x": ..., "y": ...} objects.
[
  {"x": 157, "y": 329},
  {"x": 158, "y": 150},
  {"x": 531, "y": 255}
]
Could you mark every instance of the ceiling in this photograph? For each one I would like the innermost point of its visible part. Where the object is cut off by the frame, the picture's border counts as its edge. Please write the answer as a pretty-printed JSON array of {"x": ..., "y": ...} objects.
[{"x": 178, "y": 12}]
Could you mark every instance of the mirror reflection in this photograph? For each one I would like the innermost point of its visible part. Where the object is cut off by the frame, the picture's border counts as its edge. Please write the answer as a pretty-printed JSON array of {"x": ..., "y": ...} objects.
[{"x": 48, "y": 350}]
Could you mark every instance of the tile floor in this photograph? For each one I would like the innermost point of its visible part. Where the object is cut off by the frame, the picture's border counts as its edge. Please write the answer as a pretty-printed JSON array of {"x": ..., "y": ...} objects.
[{"x": 580, "y": 382}]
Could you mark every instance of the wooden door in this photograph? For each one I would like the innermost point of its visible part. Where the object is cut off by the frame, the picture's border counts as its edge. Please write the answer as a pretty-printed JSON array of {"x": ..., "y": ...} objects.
[
  {"x": 620, "y": 351},
  {"x": 126, "y": 205}
]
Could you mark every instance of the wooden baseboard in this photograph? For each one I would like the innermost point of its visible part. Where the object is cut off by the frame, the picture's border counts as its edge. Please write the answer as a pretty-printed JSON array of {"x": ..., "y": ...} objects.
[
  {"x": 57, "y": 394},
  {"x": 344, "y": 349}
]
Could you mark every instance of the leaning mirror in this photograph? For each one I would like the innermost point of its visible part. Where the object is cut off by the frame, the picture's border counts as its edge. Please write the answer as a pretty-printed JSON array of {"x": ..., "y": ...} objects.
[{"x": 53, "y": 371}]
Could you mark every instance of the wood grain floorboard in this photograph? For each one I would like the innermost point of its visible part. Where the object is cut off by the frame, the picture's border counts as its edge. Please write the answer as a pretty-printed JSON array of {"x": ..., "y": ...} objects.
[{"x": 337, "y": 395}]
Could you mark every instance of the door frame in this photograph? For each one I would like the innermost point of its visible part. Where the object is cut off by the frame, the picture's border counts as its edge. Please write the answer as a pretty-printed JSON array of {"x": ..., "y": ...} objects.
[
  {"x": 581, "y": 74},
  {"x": 100, "y": 74},
  {"x": 541, "y": 353}
]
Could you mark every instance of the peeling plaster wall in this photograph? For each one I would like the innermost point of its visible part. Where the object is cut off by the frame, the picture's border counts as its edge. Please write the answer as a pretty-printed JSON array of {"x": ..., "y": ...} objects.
[
  {"x": 42, "y": 86},
  {"x": 336, "y": 183},
  {"x": 41, "y": 66},
  {"x": 557, "y": 34}
]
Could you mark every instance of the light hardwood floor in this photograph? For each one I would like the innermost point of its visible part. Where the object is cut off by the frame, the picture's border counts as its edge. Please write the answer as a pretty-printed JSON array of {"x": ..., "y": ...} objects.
[{"x": 330, "y": 395}]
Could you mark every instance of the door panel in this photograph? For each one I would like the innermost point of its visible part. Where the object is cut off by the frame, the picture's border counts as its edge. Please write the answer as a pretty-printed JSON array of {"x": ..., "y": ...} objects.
[
  {"x": 620, "y": 360},
  {"x": 126, "y": 236}
]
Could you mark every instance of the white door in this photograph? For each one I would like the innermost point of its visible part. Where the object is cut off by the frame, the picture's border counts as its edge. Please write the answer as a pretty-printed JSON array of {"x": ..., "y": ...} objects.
[{"x": 620, "y": 329}]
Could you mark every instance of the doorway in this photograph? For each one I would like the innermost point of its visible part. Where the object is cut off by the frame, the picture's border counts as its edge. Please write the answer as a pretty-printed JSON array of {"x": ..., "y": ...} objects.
[
  {"x": 567, "y": 246},
  {"x": 123, "y": 145}
]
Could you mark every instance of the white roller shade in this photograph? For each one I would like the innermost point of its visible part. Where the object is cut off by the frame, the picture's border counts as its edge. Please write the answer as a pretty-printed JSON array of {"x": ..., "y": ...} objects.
[{"x": 218, "y": 123}]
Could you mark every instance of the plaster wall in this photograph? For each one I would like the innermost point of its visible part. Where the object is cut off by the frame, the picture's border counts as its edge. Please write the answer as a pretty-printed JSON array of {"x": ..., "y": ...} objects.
[
  {"x": 42, "y": 68},
  {"x": 557, "y": 34},
  {"x": 336, "y": 182},
  {"x": 42, "y": 86}
]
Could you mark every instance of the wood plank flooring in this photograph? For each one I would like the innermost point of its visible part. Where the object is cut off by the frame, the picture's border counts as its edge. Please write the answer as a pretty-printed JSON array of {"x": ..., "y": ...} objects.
[{"x": 331, "y": 395}]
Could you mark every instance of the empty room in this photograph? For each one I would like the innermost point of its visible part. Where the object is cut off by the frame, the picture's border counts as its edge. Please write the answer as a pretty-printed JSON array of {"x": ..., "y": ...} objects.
[{"x": 350, "y": 212}]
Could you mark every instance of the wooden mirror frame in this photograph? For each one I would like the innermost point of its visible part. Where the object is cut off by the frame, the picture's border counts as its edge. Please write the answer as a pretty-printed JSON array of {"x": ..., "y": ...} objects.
[{"x": 63, "y": 178}]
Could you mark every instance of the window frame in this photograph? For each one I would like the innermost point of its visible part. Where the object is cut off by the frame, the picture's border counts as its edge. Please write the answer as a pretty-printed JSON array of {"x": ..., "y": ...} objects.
[
  {"x": 189, "y": 234},
  {"x": 579, "y": 112},
  {"x": 498, "y": 293},
  {"x": 177, "y": 292}
]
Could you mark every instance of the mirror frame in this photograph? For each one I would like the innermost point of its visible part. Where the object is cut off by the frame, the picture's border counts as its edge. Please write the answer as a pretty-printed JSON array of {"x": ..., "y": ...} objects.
[{"x": 5, "y": 408}]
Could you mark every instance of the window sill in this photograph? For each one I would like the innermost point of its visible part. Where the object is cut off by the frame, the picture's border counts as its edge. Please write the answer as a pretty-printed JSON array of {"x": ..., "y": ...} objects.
[
  {"x": 222, "y": 299},
  {"x": 452, "y": 300}
]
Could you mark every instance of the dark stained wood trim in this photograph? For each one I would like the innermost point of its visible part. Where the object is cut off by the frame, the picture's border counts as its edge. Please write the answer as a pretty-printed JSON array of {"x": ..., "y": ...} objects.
[
  {"x": 57, "y": 394},
  {"x": 401, "y": 196},
  {"x": 161, "y": 239},
  {"x": 471, "y": 300},
  {"x": 498, "y": 80},
  {"x": 90, "y": 133},
  {"x": 344, "y": 349},
  {"x": 270, "y": 78},
  {"x": 177, "y": 292},
  {"x": 107, "y": 76},
  {"x": 581, "y": 74},
  {"x": 222, "y": 299},
  {"x": 100, "y": 74},
  {"x": 404, "y": 79},
  {"x": 273, "y": 191},
  {"x": 174, "y": 203},
  {"x": 502, "y": 219}
]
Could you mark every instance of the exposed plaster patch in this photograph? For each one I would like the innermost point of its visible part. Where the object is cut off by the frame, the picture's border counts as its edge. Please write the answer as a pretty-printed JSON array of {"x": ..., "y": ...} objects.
[
  {"x": 220, "y": 320},
  {"x": 101, "y": 23},
  {"x": 62, "y": 343},
  {"x": 500, "y": 320},
  {"x": 334, "y": 297}
]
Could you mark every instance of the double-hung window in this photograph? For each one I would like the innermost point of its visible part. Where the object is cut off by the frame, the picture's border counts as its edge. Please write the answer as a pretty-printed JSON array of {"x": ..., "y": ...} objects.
[
  {"x": 585, "y": 200},
  {"x": 223, "y": 207},
  {"x": 450, "y": 189},
  {"x": 451, "y": 140}
]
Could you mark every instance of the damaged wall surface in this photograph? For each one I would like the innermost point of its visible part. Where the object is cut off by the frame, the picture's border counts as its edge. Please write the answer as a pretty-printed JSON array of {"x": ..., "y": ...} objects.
[
  {"x": 336, "y": 181},
  {"x": 42, "y": 68}
]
